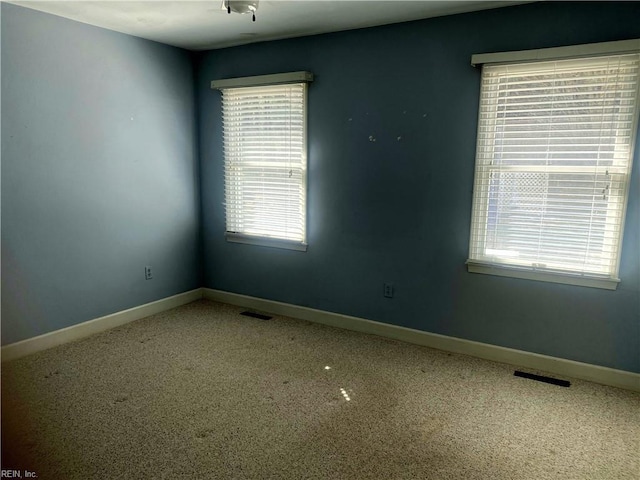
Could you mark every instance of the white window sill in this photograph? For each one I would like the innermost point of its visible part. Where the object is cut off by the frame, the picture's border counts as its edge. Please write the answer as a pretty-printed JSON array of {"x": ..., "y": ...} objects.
[
  {"x": 515, "y": 272},
  {"x": 266, "y": 241}
]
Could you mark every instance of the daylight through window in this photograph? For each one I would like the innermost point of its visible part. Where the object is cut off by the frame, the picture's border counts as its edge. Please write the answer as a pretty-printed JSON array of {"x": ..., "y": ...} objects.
[
  {"x": 264, "y": 129},
  {"x": 553, "y": 160}
]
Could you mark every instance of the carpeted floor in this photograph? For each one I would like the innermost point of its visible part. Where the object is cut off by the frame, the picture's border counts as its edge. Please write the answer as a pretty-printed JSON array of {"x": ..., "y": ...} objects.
[{"x": 201, "y": 392}]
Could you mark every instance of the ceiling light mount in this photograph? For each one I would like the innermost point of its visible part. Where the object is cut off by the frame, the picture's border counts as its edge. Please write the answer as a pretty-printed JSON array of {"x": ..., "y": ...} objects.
[{"x": 241, "y": 6}]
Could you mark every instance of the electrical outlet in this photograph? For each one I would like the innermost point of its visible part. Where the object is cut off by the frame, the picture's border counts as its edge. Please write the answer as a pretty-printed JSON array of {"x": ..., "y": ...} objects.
[
  {"x": 148, "y": 274},
  {"x": 388, "y": 290}
]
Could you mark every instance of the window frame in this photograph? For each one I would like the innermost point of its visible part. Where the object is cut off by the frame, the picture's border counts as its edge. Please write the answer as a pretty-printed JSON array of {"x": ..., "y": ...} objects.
[
  {"x": 300, "y": 77},
  {"x": 480, "y": 205}
]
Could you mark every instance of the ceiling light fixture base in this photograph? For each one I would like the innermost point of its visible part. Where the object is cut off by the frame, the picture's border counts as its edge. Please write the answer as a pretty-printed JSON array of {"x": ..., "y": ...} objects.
[{"x": 241, "y": 7}]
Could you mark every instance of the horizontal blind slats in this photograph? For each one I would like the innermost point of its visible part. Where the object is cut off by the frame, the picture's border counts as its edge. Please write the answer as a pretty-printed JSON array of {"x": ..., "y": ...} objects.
[
  {"x": 552, "y": 163},
  {"x": 265, "y": 162}
]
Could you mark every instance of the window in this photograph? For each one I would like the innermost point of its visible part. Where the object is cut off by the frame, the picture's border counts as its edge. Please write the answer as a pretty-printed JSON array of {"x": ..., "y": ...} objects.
[
  {"x": 265, "y": 160},
  {"x": 553, "y": 162}
]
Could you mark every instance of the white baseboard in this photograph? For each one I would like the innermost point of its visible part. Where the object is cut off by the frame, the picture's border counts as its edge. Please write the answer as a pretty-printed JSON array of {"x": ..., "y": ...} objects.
[
  {"x": 81, "y": 330},
  {"x": 534, "y": 361}
]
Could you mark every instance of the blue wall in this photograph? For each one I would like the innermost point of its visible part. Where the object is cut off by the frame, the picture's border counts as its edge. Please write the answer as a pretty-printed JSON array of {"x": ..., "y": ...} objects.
[
  {"x": 399, "y": 210},
  {"x": 99, "y": 172},
  {"x": 100, "y": 178}
]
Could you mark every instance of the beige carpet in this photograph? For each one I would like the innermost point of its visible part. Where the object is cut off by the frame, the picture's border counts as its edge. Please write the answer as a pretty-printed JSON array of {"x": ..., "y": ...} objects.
[{"x": 201, "y": 392}]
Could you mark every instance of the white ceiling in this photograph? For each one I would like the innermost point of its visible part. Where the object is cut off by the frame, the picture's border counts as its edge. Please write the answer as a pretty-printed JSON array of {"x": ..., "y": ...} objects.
[{"x": 202, "y": 25}]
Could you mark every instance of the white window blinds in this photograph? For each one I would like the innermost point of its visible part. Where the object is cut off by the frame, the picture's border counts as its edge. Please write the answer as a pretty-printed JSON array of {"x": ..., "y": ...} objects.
[
  {"x": 264, "y": 129},
  {"x": 553, "y": 159}
]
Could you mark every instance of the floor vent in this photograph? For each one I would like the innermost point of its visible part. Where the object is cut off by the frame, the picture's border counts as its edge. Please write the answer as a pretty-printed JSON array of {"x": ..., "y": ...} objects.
[
  {"x": 256, "y": 315},
  {"x": 542, "y": 378}
]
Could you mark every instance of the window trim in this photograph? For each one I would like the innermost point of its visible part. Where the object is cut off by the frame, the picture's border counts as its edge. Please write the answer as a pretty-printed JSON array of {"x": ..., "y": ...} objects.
[
  {"x": 557, "y": 53},
  {"x": 608, "y": 283},
  {"x": 274, "y": 80},
  {"x": 265, "y": 241},
  {"x": 550, "y": 54},
  {"x": 260, "y": 80}
]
